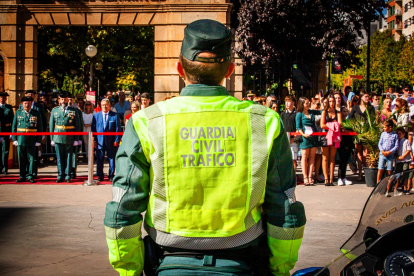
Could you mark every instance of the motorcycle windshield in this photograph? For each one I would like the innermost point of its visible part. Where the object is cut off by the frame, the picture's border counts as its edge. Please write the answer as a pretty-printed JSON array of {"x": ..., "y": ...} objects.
[{"x": 381, "y": 213}]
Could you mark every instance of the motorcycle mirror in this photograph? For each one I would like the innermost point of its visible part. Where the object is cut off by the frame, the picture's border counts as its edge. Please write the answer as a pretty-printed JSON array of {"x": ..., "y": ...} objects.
[
  {"x": 311, "y": 271},
  {"x": 370, "y": 235}
]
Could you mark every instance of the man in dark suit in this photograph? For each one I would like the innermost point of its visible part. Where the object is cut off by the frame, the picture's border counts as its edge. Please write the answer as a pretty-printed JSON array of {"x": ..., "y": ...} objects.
[
  {"x": 106, "y": 121},
  {"x": 6, "y": 127}
]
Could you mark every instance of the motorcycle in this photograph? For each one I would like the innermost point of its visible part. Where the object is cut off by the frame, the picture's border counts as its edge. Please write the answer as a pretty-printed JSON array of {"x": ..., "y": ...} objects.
[{"x": 382, "y": 244}]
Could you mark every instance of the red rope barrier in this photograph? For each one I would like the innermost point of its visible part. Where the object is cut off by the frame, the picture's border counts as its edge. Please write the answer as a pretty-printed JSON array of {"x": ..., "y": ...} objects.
[
  {"x": 324, "y": 133},
  {"x": 58, "y": 133},
  {"x": 121, "y": 133}
]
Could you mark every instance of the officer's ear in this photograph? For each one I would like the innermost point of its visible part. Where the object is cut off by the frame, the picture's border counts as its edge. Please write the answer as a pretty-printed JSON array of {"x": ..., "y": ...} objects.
[
  {"x": 180, "y": 69},
  {"x": 232, "y": 67}
]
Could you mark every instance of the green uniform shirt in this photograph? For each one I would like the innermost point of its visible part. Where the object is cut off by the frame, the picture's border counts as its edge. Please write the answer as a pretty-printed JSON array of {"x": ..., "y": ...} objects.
[
  {"x": 64, "y": 121},
  {"x": 8, "y": 118},
  {"x": 24, "y": 122},
  {"x": 43, "y": 117}
]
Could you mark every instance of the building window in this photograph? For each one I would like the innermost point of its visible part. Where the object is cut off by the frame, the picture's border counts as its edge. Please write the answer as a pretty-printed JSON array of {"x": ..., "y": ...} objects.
[
  {"x": 391, "y": 25},
  {"x": 391, "y": 11},
  {"x": 405, "y": 24},
  {"x": 406, "y": 7}
]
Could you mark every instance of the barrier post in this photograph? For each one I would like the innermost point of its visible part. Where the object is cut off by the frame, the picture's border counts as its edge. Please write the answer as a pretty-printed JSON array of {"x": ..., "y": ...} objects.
[{"x": 90, "y": 181}]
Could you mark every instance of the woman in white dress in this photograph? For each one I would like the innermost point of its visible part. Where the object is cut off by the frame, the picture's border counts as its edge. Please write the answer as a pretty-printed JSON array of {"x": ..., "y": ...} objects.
[{"x": 87, "y": 123}]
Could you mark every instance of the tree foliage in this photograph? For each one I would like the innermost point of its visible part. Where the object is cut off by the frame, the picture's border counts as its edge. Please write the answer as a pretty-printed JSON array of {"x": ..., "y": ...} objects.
[
  {"x": 269, "y": 29},
  {"x": 392, "y": 62},
  {"x": 406, "y": 63},
  {"x": 127, "y": 53}
]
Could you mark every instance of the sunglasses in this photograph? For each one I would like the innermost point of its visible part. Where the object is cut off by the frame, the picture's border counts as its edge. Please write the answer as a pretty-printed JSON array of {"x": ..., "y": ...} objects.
[
  {"x": 87, "y": 104},
  {"x": 355, "y": 101}
]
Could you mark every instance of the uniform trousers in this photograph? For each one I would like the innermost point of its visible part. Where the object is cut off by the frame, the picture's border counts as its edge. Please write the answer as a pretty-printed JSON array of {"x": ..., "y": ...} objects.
[
  {"x": 100, "y": 155},
  {"x": 74, "y": 163},
  {"x": 4, "y": 154},
  {"x": 64, "y": 154},
  {"x": 26, "y": 161}
]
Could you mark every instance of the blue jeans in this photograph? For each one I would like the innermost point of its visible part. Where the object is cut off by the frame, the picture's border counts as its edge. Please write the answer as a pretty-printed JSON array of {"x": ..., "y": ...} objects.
[{"x": 385, "y": 160}]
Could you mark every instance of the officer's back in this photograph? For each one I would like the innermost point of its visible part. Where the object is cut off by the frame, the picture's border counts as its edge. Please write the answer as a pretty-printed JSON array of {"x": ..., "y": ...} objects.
[{"x": 206, "y": 167}]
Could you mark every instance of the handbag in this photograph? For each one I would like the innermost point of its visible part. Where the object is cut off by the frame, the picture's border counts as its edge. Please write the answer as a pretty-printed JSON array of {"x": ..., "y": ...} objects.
[{"x": 298, "y": 139}]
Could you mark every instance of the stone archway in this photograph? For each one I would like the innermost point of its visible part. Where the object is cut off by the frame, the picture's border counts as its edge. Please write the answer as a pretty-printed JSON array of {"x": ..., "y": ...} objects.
[{"x": 19, "y": 21}]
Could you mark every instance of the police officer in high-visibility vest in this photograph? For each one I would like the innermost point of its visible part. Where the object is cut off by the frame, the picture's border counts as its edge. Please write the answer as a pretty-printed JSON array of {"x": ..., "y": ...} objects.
[
  {"x": 213, "y": 173},
  {"x": 6, "y": 127},
  {"x": 26, "y": 120},
  {"x": 36, "y": 106},
  {"x": 63, "y": 118}
]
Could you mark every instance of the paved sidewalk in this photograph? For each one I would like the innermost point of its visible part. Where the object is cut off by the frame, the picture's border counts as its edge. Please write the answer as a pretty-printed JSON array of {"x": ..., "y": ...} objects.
[{"x": 58, "y": 229}]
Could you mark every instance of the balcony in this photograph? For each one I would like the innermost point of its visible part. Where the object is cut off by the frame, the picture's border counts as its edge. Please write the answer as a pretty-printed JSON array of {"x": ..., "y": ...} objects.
[
  {"x": 399, "y": 26},
  {"x": 398, "y": 12}
]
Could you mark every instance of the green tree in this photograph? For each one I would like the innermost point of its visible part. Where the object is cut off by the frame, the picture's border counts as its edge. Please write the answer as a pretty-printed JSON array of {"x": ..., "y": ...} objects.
[
  {"x": 127, "y": 53},
  {"x": 405, "y": 70}
]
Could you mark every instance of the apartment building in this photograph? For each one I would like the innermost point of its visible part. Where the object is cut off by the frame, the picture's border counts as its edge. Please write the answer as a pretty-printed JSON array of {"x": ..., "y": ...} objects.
[
  {"x": 400, "y": 18},
  {"x": 408, "y": 18},
  {"x": 394, "y": 18}
]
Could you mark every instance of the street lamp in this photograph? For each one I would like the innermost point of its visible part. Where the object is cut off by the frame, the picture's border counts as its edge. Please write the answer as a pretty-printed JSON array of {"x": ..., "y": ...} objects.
[{"x": 91, "y": 51}]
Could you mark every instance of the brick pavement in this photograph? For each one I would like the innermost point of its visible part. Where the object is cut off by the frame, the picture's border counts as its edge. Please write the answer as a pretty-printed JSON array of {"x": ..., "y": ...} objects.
[{"x": 58, "y": 230}]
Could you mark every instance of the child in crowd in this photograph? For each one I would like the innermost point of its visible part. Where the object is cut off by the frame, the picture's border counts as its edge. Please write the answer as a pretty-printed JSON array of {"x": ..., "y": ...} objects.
[
  {"x": 403, "y": 160},
  {"x": 387, "y": 145}
]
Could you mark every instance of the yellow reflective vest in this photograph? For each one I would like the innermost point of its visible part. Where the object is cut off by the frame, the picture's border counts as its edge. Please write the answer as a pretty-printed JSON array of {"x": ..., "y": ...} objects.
[{"x": 206, "y": 167}]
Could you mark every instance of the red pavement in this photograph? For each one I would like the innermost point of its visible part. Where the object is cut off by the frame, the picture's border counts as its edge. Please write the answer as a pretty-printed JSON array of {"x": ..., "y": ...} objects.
[{"x": 48, "y": 180}]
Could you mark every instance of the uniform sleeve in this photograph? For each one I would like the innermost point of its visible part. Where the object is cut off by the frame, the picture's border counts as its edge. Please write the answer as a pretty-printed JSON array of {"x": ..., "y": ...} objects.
[
  {"x": 130, "y": 194},
  {"x": 40, "y": 128},
  {"x": 285, "y": 216},
  {"x": 14, "y": 128},
  {"x": 52, "y": 124}
]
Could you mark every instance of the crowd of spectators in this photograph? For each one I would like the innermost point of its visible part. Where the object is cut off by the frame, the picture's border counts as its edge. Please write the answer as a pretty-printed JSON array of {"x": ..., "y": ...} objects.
[{"x": 325, "y": 112}]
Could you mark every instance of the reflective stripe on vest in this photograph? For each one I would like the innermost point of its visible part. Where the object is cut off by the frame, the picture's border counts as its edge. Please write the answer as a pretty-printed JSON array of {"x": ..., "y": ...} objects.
[
  {"x": 259, "y": 160},
  {"x": 156, "y": 133}
]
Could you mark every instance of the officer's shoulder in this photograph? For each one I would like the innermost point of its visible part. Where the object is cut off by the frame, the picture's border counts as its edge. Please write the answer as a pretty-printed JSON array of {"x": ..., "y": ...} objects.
[
  {"x": 35, "y": 112},
  {"x": 56, "y": 107},
  {"x": 9, "y": 106},
  {"x": 150, "y": 112}
]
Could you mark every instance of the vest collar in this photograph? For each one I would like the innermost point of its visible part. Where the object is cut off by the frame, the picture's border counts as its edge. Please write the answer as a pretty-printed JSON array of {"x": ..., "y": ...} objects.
[{"x": 204, "y": 90}]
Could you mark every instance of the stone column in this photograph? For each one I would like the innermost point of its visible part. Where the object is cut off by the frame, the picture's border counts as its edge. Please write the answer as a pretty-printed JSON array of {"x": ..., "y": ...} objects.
[
  {"x": 18, "y": 44},
  {"x": 168, "y": 40},
  {"x": 168, "y": 36}
]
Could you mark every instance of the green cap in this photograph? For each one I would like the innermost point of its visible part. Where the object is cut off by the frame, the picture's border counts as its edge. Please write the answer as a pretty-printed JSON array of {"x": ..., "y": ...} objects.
[
  {"x": 63, "y": 94},
  {"x": 206, "y": 35}
]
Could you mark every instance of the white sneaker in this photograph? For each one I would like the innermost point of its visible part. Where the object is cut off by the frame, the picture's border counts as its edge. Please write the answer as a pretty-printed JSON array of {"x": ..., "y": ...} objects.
[
  {"x": 340, "y": 182},
  {"x": 347, "y": 182},
  {"x": 412, "y": 190},
  {"x": 387, "y": 194},
  {"x": 396, "y": 193}
]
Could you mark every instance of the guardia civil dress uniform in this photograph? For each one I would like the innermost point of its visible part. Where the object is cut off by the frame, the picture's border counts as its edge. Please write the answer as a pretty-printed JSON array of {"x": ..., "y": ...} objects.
[
  {"x": 24, "y": 122},
  {"x": 210, "y": 172},
  {"x": 64, "y": 120},
  {"x": 43, "y": 118},
  {"x": 6, "y": 127}
]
